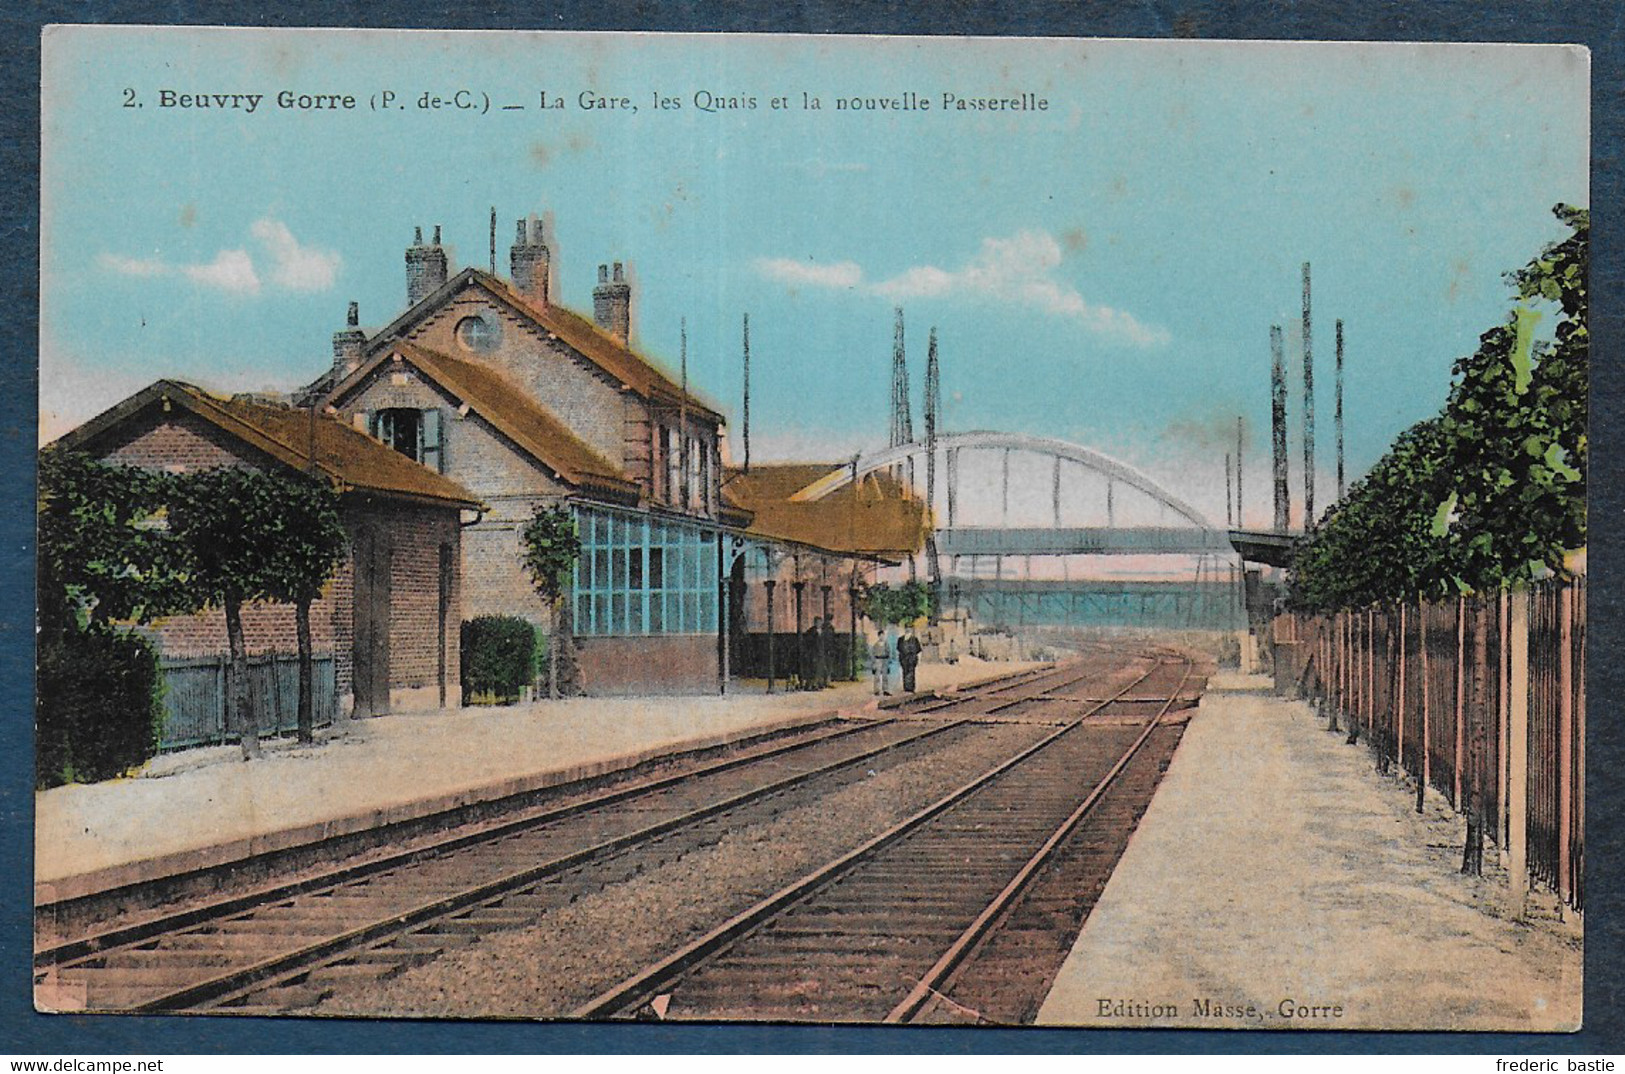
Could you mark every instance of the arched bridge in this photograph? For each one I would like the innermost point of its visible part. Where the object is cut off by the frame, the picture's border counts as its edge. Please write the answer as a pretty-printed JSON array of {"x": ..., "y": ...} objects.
[{"x": 1193, "y": 535}]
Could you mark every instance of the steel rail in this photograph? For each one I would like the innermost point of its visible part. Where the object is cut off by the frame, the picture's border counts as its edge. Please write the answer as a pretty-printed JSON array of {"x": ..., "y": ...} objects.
[
  {"x": 651, "y": 978},
  {"x": 951, "y": 700},
  {"x": 252, "y": 978},
  {"x": 256, "y": 975},
  {"x": 946, "y": 966},
  {"x": 102, "y": 942}
]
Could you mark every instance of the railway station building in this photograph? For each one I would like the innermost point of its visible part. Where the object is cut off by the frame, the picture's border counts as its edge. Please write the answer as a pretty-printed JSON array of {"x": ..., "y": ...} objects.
[
  {"x": 386, "y": 630},
  {"x": 493, "y": 384}
]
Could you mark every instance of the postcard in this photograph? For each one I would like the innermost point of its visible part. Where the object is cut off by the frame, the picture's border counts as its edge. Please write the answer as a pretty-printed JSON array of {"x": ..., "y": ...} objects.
[{"x": 827, "y": 529}]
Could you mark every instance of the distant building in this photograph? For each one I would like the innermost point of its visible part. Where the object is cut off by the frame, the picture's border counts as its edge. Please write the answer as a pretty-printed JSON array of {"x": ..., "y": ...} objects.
[{"x": 390, "y": 618}]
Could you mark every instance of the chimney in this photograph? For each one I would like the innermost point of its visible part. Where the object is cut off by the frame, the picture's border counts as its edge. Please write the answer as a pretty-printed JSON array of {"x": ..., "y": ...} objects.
[
  {"x": 348, "y": 344},
  {"x": 529, "y": 262},
  {"x": 425, "y": 267},
  {"x": 612, "y": 302}
]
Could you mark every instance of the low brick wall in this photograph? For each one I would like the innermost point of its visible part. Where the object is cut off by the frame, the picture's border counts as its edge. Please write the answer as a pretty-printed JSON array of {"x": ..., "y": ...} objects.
[{"x": 655, "y": 665}]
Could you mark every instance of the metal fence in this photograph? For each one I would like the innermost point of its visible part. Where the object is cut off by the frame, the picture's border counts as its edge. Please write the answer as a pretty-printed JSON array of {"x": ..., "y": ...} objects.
[
  {"x": 1481, "y": 698},
  {"x": 194, "y": 692}
]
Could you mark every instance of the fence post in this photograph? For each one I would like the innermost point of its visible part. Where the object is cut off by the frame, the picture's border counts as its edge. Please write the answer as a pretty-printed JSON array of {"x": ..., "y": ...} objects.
[
  {"x": 1370, "y": 670},
  {"x": 221, "y": 663},
  {"x": 1565, "y": 741},
  {"x": 1399, "y": 690},
  {"x": 1425, "y": 773},
  {"x": 1461, "y": 689},
  {"x": 1503, "y": 712},
  {"x": 1517, "y": 737}
]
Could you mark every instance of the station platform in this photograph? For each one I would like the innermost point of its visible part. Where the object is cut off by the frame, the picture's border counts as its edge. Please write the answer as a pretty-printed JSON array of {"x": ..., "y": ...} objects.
[
  {"x": 207, "y": 807},
  {"x": 1277, "y": 881}
]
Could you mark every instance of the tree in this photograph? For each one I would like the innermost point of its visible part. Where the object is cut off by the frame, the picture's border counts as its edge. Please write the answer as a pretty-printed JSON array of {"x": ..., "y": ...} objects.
[
  {"x": 303, "y": 552},
  {"x": 104, "y": 559},
  {"x": 887, "y": 606},
  {"x": 551, "y": 547},
  {"x": 104, "y": 554},
  {"x": 251, "y": 535},
  {"x": 1492, "y": 490}
]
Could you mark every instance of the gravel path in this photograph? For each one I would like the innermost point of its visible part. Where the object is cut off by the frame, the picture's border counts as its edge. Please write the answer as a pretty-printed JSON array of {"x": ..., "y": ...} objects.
[{"x": 578, "y": 950}]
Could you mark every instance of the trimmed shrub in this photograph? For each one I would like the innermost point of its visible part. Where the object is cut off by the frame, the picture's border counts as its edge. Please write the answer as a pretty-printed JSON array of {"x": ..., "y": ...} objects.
[
  {"x": 499, "y": 658},
  {"x": 100, "y": 709}
]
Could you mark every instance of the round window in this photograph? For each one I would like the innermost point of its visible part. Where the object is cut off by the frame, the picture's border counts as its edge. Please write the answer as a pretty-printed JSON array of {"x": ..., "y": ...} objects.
[{"x": 480, "y": 333}]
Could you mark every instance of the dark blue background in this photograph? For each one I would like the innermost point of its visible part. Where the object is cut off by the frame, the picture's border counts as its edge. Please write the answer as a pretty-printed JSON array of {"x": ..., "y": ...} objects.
[{"x": 1598, "y": 25}]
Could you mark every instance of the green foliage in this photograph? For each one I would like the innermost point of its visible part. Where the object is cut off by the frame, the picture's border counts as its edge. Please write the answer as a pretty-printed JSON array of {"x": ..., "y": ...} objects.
[
  {"x": 251, "y": 535},
  {"x": 1490, "y": 491},
  {"x": 907, "y": 603},
  {"x": 104, "y": 553},
  {"x": 551, "y": 548},
  {"x": 498, "y": 657},
  {"x": 99, "y": 711}
]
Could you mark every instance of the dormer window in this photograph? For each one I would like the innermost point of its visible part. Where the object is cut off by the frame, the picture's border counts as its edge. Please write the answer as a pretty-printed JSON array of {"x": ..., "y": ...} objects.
[{"x": 417, "y": 434}]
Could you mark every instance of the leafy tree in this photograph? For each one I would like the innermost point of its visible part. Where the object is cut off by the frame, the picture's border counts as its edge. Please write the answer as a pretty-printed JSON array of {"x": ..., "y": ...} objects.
[
  {"x": 304, "y": 550},
  {"x": 888, "y": 606},
  {"x": 104, "y": 554},
  {"x": 251, "y": 535},
  {"x": 1490, "y": 491},
  {"x": 551, "y": 547},
  {"x": 104, "y": 558}
]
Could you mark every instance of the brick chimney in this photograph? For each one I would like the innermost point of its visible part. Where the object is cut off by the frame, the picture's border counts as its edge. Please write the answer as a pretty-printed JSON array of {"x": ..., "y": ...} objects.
[
  {"x": 530, "y": 262},
  {"x": 425, "y": 266},
  {"x": 347, "y": 344},
  {"x": 612, "y": 302}
]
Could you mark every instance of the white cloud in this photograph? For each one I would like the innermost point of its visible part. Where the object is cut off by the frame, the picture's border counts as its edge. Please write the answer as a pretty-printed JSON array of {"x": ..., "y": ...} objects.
[
  {"x": 1019, "y": 270},
  {"x": 133, "y": 266},
  {"x": 810, "y": 274},
  {"x": 231, "y": 270},
  {"x": 295, "y": 267}
]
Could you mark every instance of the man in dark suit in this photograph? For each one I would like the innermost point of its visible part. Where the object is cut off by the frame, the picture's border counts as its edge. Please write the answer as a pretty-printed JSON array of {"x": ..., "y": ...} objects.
[{"x": 908, "y": 655}]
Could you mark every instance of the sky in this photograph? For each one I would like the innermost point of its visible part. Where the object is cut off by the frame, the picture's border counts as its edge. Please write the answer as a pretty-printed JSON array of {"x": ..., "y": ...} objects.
[{"x": 1104, "y": 271}]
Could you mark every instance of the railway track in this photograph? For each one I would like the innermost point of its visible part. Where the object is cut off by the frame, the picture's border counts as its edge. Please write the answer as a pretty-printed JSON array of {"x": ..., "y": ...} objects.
[
  {"x": 885, "y": 932},
  {"x": 277, "y": 949}
]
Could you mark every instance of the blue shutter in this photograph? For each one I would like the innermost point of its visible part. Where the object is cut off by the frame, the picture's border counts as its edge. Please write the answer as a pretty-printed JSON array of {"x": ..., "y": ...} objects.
[{"x": 433, "y": 444}]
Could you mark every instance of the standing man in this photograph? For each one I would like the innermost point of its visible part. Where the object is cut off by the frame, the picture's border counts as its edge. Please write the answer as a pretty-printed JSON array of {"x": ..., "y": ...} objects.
[
  {"x": 879, "y": 663},
  {"x": 908, "y": 655},
  {"x": 833, "y": 667},
  {"x": 815, "y": 677}
]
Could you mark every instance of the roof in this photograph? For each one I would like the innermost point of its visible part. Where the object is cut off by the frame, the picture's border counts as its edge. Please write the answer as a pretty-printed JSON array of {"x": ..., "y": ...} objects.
[
  {"x": 511, "y": 411},
  {"x": 874, "y": 517},
  {"x": 612, "y": 356},
  {"x": 353, "y": 459}
]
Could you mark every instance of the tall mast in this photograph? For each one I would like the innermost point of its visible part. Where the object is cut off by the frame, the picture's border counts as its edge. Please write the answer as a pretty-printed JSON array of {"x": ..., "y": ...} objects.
[
  {"x": 902, "y": 423},
  {"x": 746, "y": 416},
  {"x": 1339, "y": 410},
  {"x": 933, "y": 415},
  {"x": 1308, "y": 411},
  {"x": 1283, "y": 495},
  {"x": 682, "y": 416}
]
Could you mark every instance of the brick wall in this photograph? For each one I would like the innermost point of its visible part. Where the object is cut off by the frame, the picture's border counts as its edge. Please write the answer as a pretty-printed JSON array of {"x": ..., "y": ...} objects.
[
  {"x": 653, "y": 666},
  {"x": 416, "y": 534},
  {"x": 180, "y": 441},
  {"x": 579, "y": 394},
  {"x": 494, "y": 578}
]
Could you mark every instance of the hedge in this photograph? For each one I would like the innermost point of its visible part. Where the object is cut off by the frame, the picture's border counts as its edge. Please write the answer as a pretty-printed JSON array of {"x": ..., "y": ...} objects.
[
  {"x": 100, "y": 708},
  {"x": 499, "y": 658}
]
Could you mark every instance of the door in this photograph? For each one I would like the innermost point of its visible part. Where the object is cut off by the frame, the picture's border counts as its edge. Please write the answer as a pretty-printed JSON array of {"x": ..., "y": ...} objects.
[{"x": 371, "y": 619}]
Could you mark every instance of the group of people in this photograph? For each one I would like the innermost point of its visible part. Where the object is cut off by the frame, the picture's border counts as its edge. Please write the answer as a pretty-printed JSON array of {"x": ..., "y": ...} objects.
[
  {"x": 906, "y": 649},
  {"x": 820, "y": 639},
  {"x": 889, "y": 655}
]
